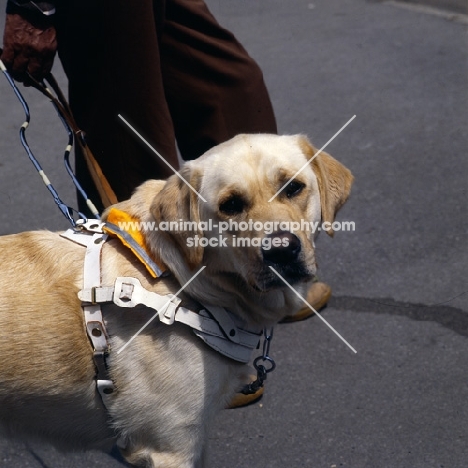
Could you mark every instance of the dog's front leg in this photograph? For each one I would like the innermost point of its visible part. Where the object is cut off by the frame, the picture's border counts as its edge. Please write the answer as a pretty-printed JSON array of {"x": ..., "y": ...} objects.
[
  {"x": 144, "y": 458},
  {"x": 170, "y": 387},
  {"x": 174, "y": 447}
]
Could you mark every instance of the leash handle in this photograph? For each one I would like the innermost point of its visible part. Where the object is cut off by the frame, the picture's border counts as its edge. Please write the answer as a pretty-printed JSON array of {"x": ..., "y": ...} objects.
[
  {"x": 105, "y": 191},
  {"x": 64, "y": 209}
]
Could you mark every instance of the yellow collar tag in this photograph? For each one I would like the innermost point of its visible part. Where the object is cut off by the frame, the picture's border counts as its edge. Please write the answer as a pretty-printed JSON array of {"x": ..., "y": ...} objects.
[{"x": 127, "y": 229}]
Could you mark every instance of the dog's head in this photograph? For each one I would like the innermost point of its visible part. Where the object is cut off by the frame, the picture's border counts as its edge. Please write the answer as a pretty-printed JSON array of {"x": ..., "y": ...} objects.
[{"x": 247, "y": 207}]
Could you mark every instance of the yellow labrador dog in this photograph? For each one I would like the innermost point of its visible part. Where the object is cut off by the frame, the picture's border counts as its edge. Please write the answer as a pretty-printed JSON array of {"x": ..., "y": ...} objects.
[{"x": 168, "y": 380}]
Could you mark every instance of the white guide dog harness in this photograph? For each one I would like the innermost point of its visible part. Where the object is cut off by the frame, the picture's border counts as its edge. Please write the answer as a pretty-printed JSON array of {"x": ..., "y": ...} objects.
[{"x": 214, "y": 325}]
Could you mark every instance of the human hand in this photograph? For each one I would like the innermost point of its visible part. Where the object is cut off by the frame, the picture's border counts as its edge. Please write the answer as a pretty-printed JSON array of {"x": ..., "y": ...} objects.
[{"x": 28, "y": 47}]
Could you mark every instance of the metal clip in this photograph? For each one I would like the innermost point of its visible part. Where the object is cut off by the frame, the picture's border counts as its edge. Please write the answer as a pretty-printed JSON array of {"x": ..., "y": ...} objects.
[
  {"x": 90, "y": 225},
  {"x": 262, "y": 370}
]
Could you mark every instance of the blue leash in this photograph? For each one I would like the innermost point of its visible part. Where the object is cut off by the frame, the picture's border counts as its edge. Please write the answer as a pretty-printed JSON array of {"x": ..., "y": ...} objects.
[{"x": 66, "y": 210}]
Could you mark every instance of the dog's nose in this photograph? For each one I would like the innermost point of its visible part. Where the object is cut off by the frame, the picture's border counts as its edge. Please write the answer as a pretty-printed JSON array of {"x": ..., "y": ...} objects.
[{"x": 283, "y": 247}]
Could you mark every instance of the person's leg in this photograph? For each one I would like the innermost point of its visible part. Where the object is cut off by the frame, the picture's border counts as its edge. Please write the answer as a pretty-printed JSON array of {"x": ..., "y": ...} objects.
[
  {"x": 214, "y": 89},
  {"x": 110, "y": 53}
]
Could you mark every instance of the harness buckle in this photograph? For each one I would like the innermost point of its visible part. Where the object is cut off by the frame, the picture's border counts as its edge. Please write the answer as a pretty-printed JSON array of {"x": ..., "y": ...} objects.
[
  {"x": 97, "y": 335},
  {"x": 105, "y": 386},
  {"x": 128, "y": 292},
  {"x": 93, "y": 295}
]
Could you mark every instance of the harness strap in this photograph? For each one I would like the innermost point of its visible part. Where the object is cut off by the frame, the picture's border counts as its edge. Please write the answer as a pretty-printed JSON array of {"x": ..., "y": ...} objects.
[
  {"x": 93, "y": 239},
  {"x": 214, "y": 325}
]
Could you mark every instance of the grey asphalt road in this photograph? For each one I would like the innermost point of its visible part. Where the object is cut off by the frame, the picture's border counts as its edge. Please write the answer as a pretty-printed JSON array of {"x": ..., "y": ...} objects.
[{"x": 399, "y": 280}]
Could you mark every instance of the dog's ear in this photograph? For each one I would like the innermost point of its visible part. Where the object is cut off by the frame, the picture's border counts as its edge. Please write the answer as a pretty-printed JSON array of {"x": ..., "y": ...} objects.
[
  {"x": 140, "y": 202},
  {"x": 178, "y": 203},
  {"x": 334, "y": 181}
]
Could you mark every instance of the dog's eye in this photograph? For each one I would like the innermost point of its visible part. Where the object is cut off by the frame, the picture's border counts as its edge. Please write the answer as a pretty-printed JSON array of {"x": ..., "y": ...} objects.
[
  {"x": 233, "y": 205},
  {"x": 293, "y": 188}
]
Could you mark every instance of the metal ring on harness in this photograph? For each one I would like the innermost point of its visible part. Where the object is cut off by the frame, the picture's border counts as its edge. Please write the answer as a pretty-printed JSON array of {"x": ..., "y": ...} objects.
[
  {"x": 262, "y": 371},
  {"x": 268, "y": 359}
]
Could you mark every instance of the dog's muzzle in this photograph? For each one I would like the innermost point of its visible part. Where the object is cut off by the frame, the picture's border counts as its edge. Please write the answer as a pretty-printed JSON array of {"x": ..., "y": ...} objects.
[
  {"x": 284, "y": 255},
  {"x": 284, "y": 248}
]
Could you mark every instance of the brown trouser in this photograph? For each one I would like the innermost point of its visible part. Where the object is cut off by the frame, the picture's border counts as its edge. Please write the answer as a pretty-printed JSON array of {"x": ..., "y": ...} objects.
[{"x": 170, "y": 70}]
